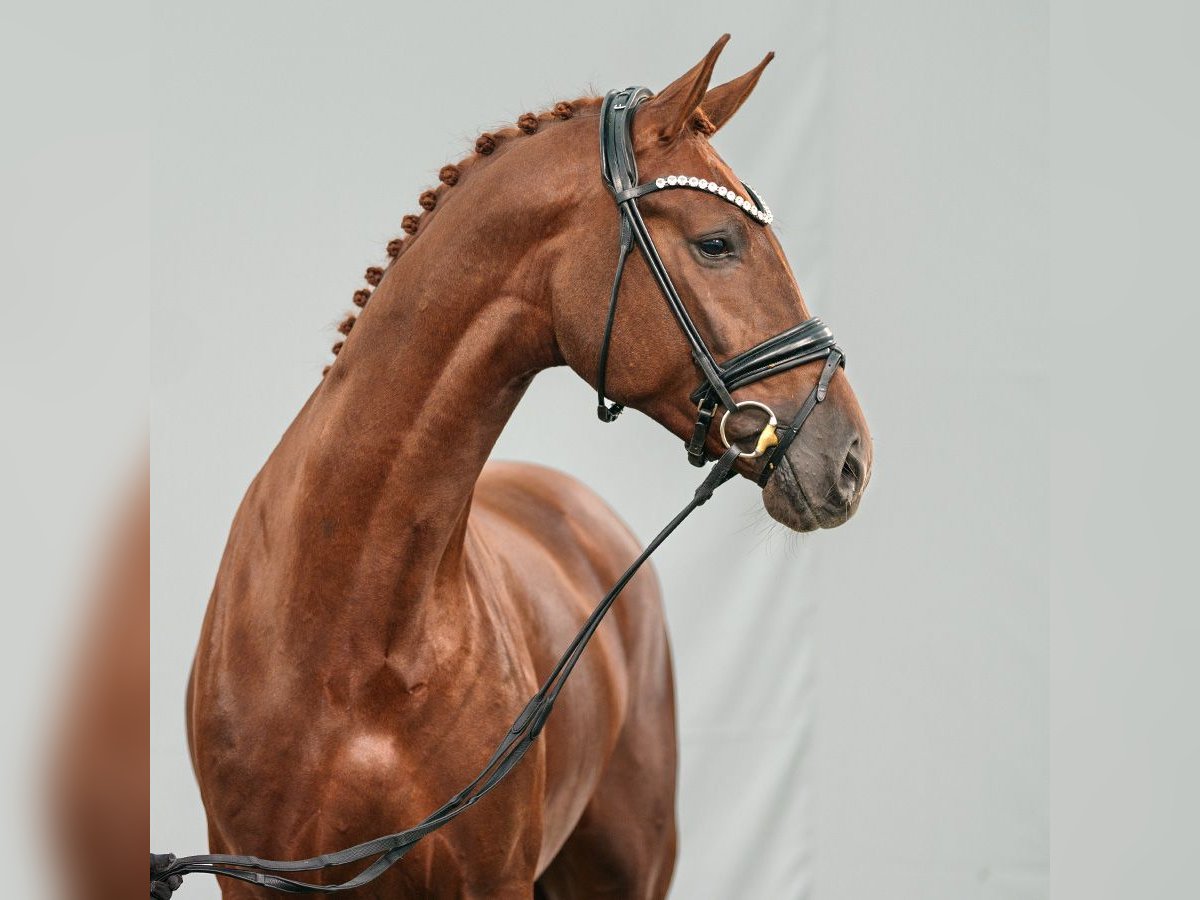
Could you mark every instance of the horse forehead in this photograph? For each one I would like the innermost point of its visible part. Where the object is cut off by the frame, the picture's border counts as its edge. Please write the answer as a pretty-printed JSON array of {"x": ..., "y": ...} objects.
[
  {"x": 689, "y": 155},
  {"x": 708, "y": 157}
]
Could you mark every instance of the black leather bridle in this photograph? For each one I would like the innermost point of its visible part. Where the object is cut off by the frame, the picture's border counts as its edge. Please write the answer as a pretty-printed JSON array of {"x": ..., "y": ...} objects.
[{"x": 810, "y": 340}]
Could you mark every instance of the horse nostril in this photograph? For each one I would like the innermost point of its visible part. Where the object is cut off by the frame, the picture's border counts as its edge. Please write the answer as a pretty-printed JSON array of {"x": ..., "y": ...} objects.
[{"x": 850, "y": 478}]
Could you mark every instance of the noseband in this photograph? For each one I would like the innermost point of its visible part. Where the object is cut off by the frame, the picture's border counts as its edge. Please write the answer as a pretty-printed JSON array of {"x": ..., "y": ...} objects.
[{"x": 809, "y": 341}]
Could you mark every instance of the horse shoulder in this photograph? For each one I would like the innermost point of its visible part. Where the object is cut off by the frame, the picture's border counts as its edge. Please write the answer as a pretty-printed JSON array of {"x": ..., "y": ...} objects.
[
  {"x": 568, "y": 516},
  {"x": 562, "y": 548}
]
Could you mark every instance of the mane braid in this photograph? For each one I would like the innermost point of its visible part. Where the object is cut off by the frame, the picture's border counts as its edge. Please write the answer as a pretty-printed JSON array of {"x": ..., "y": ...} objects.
[{"x": 450, "y": 175}]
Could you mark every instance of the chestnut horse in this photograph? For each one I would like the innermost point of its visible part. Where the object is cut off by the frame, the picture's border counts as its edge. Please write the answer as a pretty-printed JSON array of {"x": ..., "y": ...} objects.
[{"x": 388, "y": 600}]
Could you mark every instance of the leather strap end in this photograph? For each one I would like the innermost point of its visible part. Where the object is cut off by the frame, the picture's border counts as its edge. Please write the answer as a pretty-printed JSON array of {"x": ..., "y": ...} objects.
[
  {"x": 831, "y": 365},
  {"x": 767, "y": 471},
  {"x": 695, "y": 448}
]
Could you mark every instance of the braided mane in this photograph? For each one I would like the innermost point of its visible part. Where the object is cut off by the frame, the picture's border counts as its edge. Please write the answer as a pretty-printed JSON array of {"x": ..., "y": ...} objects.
[{"x": 450, "y": 175}]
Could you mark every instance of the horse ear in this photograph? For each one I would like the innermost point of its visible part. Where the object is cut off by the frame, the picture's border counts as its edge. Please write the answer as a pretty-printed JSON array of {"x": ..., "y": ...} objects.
[
  {"x": 672, "y": 108},
  {"x": 723, "y": 101}
]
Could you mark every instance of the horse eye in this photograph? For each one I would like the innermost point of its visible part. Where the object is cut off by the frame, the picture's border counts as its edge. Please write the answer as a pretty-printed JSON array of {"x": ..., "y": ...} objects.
[{"x": 714, "y": 247}]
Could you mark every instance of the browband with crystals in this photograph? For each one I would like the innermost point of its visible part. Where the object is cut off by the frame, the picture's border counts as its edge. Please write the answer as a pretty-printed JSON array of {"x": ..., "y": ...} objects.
[{"x": 752, "y": 205}]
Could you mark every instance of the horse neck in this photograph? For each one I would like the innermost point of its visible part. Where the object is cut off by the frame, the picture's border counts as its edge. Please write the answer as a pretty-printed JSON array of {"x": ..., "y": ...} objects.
[{"x": 400, "y": 429}]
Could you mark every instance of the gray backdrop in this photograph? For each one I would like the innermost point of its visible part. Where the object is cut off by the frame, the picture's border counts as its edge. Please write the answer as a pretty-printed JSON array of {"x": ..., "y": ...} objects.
[{"x": 866, "y": 715}]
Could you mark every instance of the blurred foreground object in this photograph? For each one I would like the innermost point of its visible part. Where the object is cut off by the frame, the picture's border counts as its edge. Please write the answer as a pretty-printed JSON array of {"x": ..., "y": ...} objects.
[{"x": 100, "y": 759}]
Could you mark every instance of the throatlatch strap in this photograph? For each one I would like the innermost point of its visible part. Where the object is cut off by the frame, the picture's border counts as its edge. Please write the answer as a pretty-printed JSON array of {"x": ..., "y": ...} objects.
[{"x": 605, "y": 412}]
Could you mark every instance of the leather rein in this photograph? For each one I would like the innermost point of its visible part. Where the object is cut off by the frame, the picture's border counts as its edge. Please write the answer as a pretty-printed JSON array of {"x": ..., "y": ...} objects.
[{"x": 809, "y": 341}]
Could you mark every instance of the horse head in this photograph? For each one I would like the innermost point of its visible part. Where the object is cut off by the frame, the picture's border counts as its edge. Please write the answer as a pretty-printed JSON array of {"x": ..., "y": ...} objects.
[{"x": 727, "y": 269}]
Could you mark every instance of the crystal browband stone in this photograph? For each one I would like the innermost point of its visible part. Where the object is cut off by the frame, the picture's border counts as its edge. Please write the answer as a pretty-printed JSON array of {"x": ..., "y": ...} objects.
[{"x": 745, "y": 204}]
